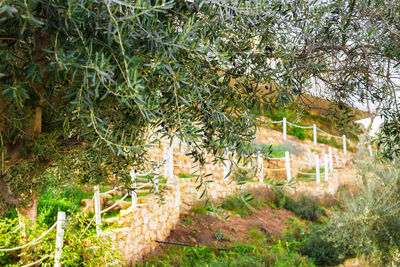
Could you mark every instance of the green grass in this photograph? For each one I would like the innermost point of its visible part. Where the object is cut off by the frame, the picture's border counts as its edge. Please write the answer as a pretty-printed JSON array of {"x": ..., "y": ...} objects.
[
  {"x": 238, "y": 255},
  {"x": 199, "y": 209},
  {"x": 243, "y": 204}
]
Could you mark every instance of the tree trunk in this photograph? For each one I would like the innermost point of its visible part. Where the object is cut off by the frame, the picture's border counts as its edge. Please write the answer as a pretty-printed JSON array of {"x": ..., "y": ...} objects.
[
  {"x": 27, "y": 218},
  {"x": 28, "y": 214}
]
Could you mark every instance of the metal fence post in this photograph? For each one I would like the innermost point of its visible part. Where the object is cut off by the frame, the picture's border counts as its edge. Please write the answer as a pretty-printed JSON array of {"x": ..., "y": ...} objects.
[
  {"x": 317, "y": 169},
  {"x": 315, "y": 134},
  {"x": 284, "y": 129},
  {"x": 330, "y": 159},
  {"x": 344, "y": 145},
  {"x": 260, "y": 168},
  {"x": 287, "y": 158},
  {"x": 97, "y": 211},
  {"x": 326, "y": 166},
  {"x": 59, "y": 238},
  {"x": 134, "y": 194}
]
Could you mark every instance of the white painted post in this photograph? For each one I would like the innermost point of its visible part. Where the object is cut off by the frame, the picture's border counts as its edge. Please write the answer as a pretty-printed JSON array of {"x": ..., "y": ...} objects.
[
  {"x": 330, "y": 159},
  {"x": 284, "y": 129},
  {"x": 134, "y": 194},
  {"x": 226, "y": 165},
  {"x": 370, "y": 151},
  {"x": 287, "y": 158},
  {"x": 260, "y": 168},
  {"x": 97, "y": 211},
  {"x": 59, "y": 238},
  {"x": 344, "y": 145},
  {"x": 315, "y": 133},
  {"x": 326, "y": 166},
  {"x": 317, "y": 171}
]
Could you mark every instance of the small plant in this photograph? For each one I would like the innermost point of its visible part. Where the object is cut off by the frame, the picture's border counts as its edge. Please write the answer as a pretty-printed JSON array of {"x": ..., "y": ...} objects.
[
  {"x": 187, "y": 221},
  {"x": 243, "y": 204},
  {"x": 299, "y": 133},
  {"x": 219, "y": 235},
  {"x": 199, "y": 209}
]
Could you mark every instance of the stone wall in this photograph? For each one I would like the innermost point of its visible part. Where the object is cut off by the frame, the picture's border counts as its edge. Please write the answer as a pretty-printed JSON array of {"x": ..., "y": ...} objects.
[{"x": 139, "y": 228}]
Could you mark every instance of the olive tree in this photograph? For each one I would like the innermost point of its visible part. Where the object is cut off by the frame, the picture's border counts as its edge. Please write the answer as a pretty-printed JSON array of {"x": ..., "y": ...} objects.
[
  {"x": 86, "y": 84},
  {"x": 347, "y": 50}
]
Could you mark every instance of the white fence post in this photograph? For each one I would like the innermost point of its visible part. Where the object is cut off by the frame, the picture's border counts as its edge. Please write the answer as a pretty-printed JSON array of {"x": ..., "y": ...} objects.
[
  {"x": 315, "y": 133},
  {"x": 284, "y": 129},
  {"x": 59, "y": 238},
  {"x": 330, "y": 159},
  {"x": 97, "y": 211},
  {"x": 134, "y": 194},
  {"x": 260, "y": 168},
  {"x": 370, "y": 151},
  {"x": 326, "y": 166},
  {"x": 317, "y": 171},
  {"x": 226, "y": 165},
  {"x": 344, "y": 145},
  {"x": 287, "y": 158}
]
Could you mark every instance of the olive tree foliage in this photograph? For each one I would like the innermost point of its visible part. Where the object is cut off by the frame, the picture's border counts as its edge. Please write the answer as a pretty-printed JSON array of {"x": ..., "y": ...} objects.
[
  {"x": 370, "y": 222},
  {"x": 87, "y": 85},
  {"x": 347, "y": 49}
]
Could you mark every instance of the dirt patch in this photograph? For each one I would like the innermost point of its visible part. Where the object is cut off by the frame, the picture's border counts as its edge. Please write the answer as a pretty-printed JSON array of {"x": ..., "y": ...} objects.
[{"x": 196, "y": 229}]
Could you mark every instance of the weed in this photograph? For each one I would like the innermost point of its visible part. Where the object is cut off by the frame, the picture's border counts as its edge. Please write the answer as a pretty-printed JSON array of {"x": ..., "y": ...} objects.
[
  {"x": 299, "y": 133},
  {"x": 219, "y": 235},
  {"x": 187, "y": 221},
  {"x": 199, "y": 209},
  {"x": 243, "y": 204}
]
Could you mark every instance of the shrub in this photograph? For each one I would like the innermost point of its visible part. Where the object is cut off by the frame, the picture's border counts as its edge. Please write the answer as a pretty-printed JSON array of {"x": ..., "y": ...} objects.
[
  {"x": 323, "y": 251},
  {"x": 242, "y": 203},
  {"x": 305, "y": 208},
  {"x": 370, "y": 222},
  {"x": 299, "y": 133},
  {"x": 237, "y": 204}
]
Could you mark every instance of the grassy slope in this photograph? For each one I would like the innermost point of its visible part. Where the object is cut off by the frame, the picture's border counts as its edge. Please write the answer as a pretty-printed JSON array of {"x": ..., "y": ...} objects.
[{"x": 259, "y": 232}]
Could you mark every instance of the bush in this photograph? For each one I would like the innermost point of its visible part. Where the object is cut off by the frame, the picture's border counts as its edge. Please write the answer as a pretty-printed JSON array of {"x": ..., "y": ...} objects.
[
  {"x": 242, "y": 203},
  {"x": 304, "y": 207},
  {"x": 299, "y": 133},
  {"x": 322, "y": 251},
  {"x": 370, "y": 222}
]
